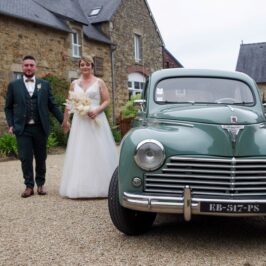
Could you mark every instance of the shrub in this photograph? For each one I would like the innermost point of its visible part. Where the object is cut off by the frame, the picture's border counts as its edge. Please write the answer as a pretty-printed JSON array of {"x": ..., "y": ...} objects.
[
  {"x": 8, "y": 145},
  {"x": 52, "y": 141},
  {"x": 128, "y": 114},
  {"x": 129, "y": 110},
  {"x": 115, "y": 129},
  {"x": 116, "y": 134},
  {"x": 60, "y": 89},
  {"x": 59, "y": 86}
]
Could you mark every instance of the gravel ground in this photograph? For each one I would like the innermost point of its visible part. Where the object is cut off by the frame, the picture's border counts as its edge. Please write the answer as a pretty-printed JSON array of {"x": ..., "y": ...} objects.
[{"x": 50, "y": 230}]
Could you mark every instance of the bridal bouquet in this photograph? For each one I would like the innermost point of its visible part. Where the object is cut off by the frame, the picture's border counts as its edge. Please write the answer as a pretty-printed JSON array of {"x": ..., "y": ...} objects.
[{"x": 79, "y": 103}]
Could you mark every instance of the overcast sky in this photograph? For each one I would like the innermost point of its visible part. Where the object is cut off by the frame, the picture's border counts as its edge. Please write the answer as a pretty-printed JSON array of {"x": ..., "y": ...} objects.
[{"x": 208, "y": 33}]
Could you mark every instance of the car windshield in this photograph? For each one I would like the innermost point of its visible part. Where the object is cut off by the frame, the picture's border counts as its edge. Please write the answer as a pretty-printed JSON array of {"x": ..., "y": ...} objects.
[{"x": 203, "y": 90}]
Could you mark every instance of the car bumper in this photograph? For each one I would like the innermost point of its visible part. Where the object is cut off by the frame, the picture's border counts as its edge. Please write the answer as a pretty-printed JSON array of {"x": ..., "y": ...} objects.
[{"x": 188, "y": 205}]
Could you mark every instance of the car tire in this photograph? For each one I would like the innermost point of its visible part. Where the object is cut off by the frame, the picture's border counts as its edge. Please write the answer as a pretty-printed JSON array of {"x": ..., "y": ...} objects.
[{"x": 129, "y": 222}]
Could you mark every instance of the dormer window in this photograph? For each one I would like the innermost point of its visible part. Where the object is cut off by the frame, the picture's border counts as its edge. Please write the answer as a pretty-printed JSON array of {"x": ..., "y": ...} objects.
[{"x": 95, "y": 11}]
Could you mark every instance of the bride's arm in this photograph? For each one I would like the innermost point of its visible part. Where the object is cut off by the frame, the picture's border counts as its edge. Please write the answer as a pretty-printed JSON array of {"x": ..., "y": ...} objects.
[{"x": 105, "y": 100}]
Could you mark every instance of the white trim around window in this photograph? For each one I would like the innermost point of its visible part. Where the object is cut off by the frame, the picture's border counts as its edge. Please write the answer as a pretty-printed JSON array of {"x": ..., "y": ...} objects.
[
  {"x": 76, "y": 45},
  {"x": 136, "y": 82},
  {"x": 137, "y": 48}
]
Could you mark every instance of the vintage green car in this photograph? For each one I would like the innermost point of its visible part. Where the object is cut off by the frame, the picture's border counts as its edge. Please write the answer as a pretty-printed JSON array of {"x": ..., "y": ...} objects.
[{"x": 198, "y": 148}]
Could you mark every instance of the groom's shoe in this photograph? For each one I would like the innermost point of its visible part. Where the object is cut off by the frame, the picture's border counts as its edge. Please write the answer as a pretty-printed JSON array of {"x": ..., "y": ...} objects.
[
  {"x": 41, "y": 191},
  {"x": 27, "y": 192}
]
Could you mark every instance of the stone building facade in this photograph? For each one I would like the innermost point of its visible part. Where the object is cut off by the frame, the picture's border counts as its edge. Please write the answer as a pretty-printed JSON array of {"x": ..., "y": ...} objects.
[{"x": 134, "y": 48}]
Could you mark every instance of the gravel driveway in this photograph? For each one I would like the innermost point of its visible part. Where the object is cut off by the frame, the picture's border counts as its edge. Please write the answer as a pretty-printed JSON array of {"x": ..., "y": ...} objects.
[{"x": 50, "y": 230}]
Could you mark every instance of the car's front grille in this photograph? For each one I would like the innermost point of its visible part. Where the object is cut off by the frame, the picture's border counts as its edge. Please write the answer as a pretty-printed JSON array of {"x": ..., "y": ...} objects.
[{"x": 210, "y": 177}]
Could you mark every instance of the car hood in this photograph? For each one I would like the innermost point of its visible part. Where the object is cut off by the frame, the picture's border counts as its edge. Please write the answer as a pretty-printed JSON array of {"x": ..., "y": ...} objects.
[
  {"x": 224, "y": 114},
  {"x": 202, "y": 139}
]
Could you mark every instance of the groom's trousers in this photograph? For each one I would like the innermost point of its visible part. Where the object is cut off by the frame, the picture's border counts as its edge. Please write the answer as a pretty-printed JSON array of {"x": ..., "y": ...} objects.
[{"x": 32, "y": 144}]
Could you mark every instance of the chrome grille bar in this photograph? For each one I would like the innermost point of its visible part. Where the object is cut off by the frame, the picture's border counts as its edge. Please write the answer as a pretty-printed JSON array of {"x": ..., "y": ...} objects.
[{"x": 235, "y": 177}]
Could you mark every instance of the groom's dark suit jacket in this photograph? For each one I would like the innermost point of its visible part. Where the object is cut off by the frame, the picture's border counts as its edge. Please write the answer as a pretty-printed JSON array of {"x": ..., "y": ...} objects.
[{"x": 16, "y": 108}]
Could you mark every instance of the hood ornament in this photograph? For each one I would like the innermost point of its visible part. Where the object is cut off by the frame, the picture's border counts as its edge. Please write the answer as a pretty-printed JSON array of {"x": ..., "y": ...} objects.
[{"x": 233, "y": 130}]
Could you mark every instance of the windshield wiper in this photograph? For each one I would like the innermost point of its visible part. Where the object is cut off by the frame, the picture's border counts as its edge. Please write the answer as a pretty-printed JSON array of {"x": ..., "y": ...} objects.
[
  {"x": 174, "y": 102},
  {"x": 236, "y": 103}
]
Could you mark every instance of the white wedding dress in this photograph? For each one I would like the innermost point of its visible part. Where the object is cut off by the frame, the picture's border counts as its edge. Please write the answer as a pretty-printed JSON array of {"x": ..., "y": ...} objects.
[{"x": 91, "y": 154}]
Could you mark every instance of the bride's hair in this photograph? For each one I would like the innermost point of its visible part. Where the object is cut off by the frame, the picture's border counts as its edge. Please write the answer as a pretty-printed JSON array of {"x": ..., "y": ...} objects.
[{"x": 87, "y": 59}]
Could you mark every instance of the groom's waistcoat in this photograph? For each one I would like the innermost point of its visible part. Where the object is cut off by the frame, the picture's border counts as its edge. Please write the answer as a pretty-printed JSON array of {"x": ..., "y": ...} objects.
[{"x": 32, "y": 112}]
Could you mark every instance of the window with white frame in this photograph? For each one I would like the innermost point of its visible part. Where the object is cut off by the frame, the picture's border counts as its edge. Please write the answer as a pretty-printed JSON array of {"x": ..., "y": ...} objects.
[
  {"x": 17, "y": 75},
  {"x": 138, "y": 47},
  {"x": 136, "y": 82},
  {"x": 76, "y": 45}
]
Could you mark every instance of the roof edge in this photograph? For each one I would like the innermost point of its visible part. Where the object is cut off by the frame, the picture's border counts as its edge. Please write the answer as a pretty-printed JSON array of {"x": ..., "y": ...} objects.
[
  {"x": 154, "y": 21},
  {"x": 34, "y": 21}
]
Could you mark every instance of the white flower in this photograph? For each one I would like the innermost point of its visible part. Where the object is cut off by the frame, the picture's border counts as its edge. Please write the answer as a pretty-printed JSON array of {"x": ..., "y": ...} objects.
[
  {"x": 79, "y": 103},
  {"x": 39, "y": 86}
]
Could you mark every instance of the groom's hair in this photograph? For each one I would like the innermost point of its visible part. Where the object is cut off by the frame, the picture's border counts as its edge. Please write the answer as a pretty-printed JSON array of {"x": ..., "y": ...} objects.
[{"x": 28, "y": 57}]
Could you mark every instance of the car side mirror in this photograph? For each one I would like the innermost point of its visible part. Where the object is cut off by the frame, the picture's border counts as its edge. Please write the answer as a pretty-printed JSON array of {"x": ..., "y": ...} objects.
[{"x": 139, "y": 103}]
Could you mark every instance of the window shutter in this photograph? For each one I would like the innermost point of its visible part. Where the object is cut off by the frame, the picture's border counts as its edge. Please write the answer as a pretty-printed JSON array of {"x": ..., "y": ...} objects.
[{"x": 98, "y": 66}]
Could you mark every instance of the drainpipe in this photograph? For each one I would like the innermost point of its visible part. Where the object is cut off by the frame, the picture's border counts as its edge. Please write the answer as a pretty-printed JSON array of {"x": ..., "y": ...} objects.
[{"x": 113, "y": 48}]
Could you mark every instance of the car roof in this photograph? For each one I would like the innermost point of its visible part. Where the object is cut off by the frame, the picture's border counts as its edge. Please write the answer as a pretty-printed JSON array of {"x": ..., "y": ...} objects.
[{"x": 177, "y": 72}]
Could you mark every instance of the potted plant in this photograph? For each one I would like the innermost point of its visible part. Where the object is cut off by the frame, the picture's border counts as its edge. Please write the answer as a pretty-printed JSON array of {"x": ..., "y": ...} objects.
[{"x": 128, "y": 113}]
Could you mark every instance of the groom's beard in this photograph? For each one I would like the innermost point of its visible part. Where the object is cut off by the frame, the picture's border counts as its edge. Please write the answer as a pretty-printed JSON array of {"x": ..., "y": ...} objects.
[{"x": 29, "y": 75}]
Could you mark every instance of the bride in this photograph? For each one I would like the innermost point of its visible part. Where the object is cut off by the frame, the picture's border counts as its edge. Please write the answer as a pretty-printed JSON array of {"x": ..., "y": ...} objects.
[{"x": 91, "y": 154}]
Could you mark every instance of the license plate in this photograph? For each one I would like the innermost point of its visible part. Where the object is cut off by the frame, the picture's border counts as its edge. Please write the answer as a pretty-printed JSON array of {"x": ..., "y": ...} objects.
[{"x": 217, "y": 207}]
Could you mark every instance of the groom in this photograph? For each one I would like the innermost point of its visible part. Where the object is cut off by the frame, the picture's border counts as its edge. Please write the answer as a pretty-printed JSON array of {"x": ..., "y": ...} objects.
[{"x": 28, "y": 103}]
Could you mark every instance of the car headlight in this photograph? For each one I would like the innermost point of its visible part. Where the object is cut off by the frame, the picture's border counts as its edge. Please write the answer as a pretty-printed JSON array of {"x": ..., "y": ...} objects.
[{"x": 149, "y": 154}]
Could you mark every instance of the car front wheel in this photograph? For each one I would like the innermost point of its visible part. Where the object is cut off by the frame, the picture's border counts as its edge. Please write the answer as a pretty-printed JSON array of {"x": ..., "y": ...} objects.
[{"x": 127, "y": 221}]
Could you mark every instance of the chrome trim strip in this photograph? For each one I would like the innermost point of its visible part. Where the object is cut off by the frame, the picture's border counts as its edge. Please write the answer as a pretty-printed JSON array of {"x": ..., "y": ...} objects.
[
  {"x": 152, "y": 121},
  {"x": 222, "y": 160},
  {"x": 169, "y": 204}
]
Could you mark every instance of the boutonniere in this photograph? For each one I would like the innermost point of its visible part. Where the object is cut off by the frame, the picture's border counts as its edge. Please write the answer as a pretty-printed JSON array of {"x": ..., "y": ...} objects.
[{"x": 39, "y": 86}]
